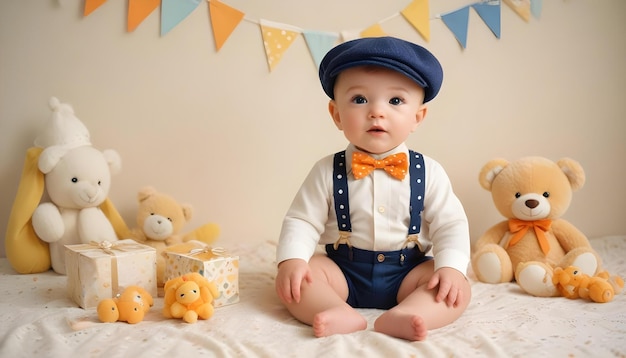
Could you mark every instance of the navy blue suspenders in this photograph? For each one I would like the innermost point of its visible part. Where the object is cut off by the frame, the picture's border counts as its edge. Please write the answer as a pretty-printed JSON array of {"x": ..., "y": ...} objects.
[{"x": 417, "y": 177}]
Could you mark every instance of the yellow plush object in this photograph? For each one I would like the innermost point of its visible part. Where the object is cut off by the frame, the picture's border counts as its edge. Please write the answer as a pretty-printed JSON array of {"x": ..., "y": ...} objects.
[
  {"x": 75, "y": 178},
  {"x": 189, "y": 297},
  {"x": 130, "y": 306},
  {"x": 572, "y": 283},
  {"x": 532, "y": 193},
  {"x": 26, "y": 252},
  {"x": 160, "y": 220}
]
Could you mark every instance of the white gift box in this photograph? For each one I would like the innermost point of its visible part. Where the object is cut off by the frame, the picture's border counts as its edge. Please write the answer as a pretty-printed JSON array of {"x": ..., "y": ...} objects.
[
  {"x": 214, "y": 264},
  {"x": 97, "y": 271}
]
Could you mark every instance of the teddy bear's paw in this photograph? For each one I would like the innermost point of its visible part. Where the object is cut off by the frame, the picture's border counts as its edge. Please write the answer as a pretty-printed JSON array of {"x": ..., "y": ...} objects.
[
  {"x": 190, "y": 316},
  {"x": 48, "y": 223},
  {"x": 587, "y": 263},
  {"x": 489, "y": 268},
  {"x": 536, "y": 279},
  {"x": 205, "y": 311}
]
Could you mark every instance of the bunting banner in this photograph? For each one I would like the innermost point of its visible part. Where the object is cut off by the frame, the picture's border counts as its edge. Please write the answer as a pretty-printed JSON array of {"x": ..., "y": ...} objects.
[
  {"x": 138, "y": 10},
  {"x": 278, "y": 37},
  {"x": 91, "y": 5},
  {"x": 319, "y": 43},
  {"x": 535, "y": 8},
  {"x": 373, "y": 31},
  {"x": 521, "y": 8},
  {"x": 457, "y": 22},
  {"x": 489, "y": 12},
  {"x": 418, "y": 15},
  {"x": 224, "y": 20},
  {"x": 175, "y": 11}
]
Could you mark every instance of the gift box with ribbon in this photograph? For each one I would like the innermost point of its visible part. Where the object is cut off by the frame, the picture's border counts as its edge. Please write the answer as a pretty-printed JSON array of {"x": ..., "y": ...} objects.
[
  {"x": 100, "y": 270},
  {"x": 214, "y": 263}
]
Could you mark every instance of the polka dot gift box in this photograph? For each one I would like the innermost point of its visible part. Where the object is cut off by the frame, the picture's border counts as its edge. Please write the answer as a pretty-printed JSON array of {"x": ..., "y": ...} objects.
[{"x": 214, "y": 264}]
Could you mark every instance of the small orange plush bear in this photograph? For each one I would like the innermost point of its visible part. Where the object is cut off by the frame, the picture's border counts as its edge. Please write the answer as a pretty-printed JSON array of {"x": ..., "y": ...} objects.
[
  {"x": 130, "y": 306},
  {"x": 189, "y": 297},
  {"x": 573, "y": 283}
]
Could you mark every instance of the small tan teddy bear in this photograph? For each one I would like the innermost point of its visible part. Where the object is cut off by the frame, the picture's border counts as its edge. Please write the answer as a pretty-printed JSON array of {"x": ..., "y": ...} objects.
[{"x": 160, "y": 221}]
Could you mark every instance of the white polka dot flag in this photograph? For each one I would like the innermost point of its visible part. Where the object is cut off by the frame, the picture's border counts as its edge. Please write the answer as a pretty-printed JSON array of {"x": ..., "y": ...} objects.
[{"x": 278, "y": 37}]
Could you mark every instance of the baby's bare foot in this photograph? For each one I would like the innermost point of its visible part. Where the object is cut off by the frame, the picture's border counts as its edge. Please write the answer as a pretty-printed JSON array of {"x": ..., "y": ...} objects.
[
  {"x": 338, "y": 321},
  {"x": 401, "y": 325}
]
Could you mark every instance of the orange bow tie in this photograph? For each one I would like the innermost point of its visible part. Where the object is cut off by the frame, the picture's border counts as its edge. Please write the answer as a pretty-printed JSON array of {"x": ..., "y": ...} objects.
[
  {"x": 395, "y": 165},
  {"x": 519, "y": 228}
]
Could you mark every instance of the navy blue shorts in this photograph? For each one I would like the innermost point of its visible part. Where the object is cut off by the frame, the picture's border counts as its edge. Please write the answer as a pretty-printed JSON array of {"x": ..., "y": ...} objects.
[{"x": 374, "y": 277}]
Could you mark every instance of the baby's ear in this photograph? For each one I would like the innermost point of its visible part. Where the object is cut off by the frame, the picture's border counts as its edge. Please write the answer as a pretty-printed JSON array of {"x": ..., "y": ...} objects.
[{"x": 334, "y": 114}]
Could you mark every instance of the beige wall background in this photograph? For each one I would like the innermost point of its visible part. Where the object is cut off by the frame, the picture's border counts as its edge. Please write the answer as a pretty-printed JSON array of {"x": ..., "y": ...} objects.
[{"x": 219, "y": 131}]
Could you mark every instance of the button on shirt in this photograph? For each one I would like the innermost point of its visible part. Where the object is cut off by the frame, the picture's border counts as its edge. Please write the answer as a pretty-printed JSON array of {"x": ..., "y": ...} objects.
[{"x": 379, "y": 212}]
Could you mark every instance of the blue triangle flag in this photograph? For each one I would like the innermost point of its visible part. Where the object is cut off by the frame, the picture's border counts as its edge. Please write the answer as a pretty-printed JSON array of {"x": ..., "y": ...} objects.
[
  {"x": 319, "y": 43},
  {"x": 535, "y": 8},
  {"x": 490, "y": 13},
  {"x": 457, "y": 23},
  {"x": 175, "y": 11}
]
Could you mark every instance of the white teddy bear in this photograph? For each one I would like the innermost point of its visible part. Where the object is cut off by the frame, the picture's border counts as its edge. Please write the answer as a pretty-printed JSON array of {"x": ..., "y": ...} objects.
[{"x": 77, "y": 181}]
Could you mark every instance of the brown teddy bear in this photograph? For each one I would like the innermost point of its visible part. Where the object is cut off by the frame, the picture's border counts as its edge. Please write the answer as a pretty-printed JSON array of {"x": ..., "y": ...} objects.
[
  {"x": 160, "y": 220},
  {"x": 532, "y": 193}
]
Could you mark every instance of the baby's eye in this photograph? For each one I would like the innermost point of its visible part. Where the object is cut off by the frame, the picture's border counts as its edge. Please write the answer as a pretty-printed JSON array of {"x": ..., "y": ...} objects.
[
  {"x": 396, "y": 101},
  {"x": 359, "y": 100}
]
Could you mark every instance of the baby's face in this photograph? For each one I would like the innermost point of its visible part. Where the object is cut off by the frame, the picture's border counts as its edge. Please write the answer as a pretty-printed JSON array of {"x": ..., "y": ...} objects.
[{"x": 376, "y": 108}]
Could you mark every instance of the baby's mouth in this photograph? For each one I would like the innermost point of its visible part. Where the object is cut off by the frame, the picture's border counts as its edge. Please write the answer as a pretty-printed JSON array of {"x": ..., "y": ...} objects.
[{"x": 376, "y": 130}]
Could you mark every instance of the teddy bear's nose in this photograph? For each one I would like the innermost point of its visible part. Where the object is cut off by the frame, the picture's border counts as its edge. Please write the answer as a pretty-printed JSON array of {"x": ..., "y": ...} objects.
[{"x": 532, "y": 203}]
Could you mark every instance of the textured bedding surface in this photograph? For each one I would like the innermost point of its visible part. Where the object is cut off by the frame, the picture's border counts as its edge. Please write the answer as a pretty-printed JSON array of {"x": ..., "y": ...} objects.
[{"x": 38, "y": 319}]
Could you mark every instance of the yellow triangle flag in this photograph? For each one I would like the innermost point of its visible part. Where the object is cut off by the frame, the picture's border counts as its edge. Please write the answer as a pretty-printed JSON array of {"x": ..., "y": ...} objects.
[
  {"x": 521, "y": 7},
  {"x": 418, "y": 15},
  {"x": 276, "y": 38},
  {"x": 91, "y": 5},
  {"x": 138, "y": 10},
  {"x": 224, "y": 20},
  {"x": 373, "y": 31}
]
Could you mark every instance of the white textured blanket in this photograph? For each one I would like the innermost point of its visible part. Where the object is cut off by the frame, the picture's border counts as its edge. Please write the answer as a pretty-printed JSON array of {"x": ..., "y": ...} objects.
[{"x": 38, "y": 319}]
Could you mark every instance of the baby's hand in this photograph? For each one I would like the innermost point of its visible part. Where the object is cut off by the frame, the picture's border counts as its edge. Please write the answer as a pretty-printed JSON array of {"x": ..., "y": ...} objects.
[
  {"x": 289, "y": 279},
  {"x": 450, "y": 282}
]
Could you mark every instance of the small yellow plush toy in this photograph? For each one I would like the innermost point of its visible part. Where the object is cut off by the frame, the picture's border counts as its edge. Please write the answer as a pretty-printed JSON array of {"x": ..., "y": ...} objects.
[
  {"x": 572, "y": 283},
  {"x": 130, "y": 306},
  {"x": 189, "y": 297},
  {"x": 532, "y": 193},
  {"x": 160, "y": 220}
]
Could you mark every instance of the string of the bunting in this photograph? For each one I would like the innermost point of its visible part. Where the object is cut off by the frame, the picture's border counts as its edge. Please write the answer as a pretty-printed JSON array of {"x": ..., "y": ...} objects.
[{"x": 278, "y": 37}]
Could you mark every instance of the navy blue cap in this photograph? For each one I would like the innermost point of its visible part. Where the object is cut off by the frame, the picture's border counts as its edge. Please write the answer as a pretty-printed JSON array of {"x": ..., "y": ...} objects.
[{"x": 411, "y": 60}]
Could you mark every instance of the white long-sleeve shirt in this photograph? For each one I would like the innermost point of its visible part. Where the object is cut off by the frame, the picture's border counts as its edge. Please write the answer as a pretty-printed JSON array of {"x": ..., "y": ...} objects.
[{"x": 379, "y": 212}]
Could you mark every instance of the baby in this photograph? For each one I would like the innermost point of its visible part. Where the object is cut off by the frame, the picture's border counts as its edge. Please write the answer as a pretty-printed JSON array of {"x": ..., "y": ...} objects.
[{"x": 379, "y": 208}]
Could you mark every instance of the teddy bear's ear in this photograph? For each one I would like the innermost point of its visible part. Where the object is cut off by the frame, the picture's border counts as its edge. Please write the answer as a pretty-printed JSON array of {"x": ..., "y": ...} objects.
[
  {"x": 113, "y": 159},
  {"x": 50, "y": 157},
  {"x": 573, "y": 171},
  {"x": 489, "y": 172},
  {"x": 145, "y": 193},
  {"x": 187, "y": 211}
]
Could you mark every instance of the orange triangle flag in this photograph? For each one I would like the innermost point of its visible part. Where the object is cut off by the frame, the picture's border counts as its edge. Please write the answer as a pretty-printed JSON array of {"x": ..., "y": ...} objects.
[
  {"x": 276, "y": 41},
  {"x": 418, "y": 15},
  {"x": 138, "y": 10},
  {"x": 373, "y": 31},
  {"x": 521, "y": 8},
  {"x": 224, "y": 20},
  {"x": 91, "y": 5}
]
